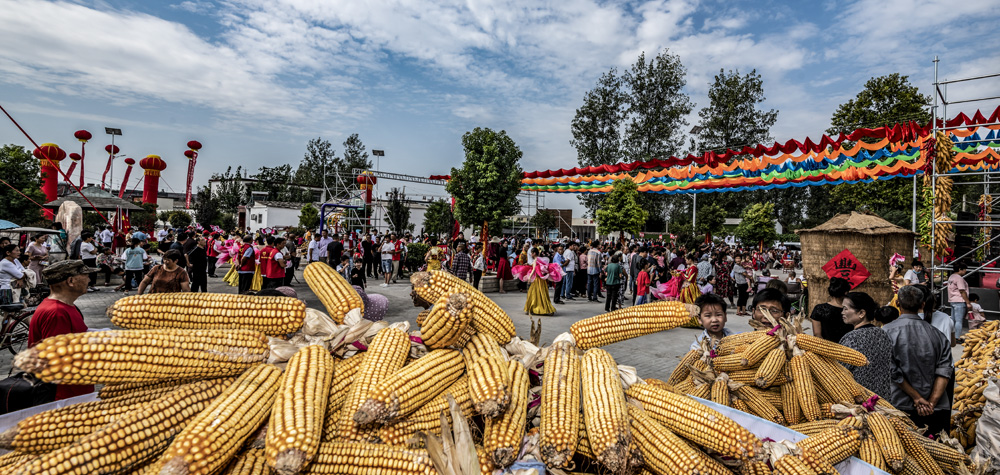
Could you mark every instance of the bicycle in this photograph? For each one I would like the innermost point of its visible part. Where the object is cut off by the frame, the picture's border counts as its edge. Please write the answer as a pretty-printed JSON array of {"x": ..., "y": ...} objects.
[{"x": 14, "y": 326}]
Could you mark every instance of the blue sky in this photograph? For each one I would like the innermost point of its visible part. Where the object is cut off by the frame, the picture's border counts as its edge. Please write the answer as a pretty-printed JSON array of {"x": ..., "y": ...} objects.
[{"x": 253, "y": 80}]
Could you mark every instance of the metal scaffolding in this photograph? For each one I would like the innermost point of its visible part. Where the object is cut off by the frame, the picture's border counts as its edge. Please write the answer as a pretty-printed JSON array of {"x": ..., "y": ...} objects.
[{"x": 987, "y": 177}]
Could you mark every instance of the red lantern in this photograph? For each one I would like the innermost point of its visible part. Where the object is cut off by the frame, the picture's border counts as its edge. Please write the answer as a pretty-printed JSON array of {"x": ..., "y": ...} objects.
[
  {"x": 128, "y": 171},
  {"x": 190, "y": 154},
  {"x": 82, "y": 135},
  {"x": 50, "y": 155},
  {"x": 194, "y": 145},
  {"x": 75, "y": 157},
  {"x": 112, "y": 149},
  {"x": 152, "y": 165},
  {"x": 367, "y": 182}
]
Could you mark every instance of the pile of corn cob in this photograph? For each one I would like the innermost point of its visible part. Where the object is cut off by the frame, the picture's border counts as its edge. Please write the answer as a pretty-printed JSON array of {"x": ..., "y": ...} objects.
[
  {"x": 980, "y": 361},
  {"x": 183, "y": 399},
  {"x": 795, "y": 379}
]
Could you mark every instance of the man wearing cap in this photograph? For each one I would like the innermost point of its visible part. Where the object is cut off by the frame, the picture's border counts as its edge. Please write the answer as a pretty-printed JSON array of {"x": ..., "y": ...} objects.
[{"x": 57, "y": 314}]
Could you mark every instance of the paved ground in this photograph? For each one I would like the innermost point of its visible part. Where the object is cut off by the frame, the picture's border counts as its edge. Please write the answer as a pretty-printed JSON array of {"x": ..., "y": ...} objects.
[{"x": 653, "y": 355}]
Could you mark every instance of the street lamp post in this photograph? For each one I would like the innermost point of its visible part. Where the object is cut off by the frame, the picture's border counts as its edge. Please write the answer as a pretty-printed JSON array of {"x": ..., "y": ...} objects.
[{"x": 112, "y": 132}]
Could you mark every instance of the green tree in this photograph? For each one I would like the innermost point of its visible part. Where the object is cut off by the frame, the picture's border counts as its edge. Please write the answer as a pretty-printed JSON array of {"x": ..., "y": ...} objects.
[
  {"x": 438, "y": 219},
  {"x": 145, "y": 219},
  {"x": 486, "y": 187},
  {"x": 19, "y": 169},
  {"x": 657, "y": 107},
  {"x": 206, "y": 207},
  {"x": 733, "y": 119},
  {"x": 355, "y": 155},
  {"x": 180, "y": 219},
  {"x": 757, "y": 225},
  {"x": 231, "y": 193},
  {"x": 309, "y": 217},
  {"x": 711, "y": 219},
  {"x": 621, "y": 210},
  {"x": 397, "y": 213},
  {"x": 319, "y": 157},
  {"x": 277, "y": 183},
  {"x": 543, "y": 221},
  {"x": 885, "y": 100},
  {"x": 597, "y": 129},
  {"x": 227, "y": 221}
]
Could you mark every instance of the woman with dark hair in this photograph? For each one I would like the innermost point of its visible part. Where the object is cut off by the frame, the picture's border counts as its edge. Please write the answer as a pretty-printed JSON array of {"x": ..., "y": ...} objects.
[
  {"x": 38, "y": 253},
  {"x": 885, "y": 315},
  {"x": 10, "y": 272},
  {"x": 167, "y": 277},
  {"x": 724, "y": 286},
  {"x": 860, "y": 311},
  {"x": 827, "y": 318}
]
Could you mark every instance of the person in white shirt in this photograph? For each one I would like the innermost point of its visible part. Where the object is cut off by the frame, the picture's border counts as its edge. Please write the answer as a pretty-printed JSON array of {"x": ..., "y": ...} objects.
[
  {"x": 324, "y": 242},
  {"x": 314, "y": 249},
  {"x": 570, "y": 263},
  {"x": 478, "y": 265},
  {"x": 88, "y": 253},
  {"x": 162, "y": 234},
  {"x": 388, "y": 247},
  {"x": 107, "y": 236},
  {"x": 10, "y": 271}
]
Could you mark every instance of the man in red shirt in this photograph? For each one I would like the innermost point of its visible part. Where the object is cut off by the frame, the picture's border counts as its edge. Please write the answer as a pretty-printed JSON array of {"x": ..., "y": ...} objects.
[{"x": 57, "y": 314}]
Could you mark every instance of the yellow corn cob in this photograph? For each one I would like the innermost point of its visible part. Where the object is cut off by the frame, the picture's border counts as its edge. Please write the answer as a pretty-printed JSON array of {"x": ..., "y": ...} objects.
[
  {"x": 830, "y": 349},
  {"x": 370, "y": 459},
  {"x": 827, "y": 378},
  {"x": 888, "y": 440},
  {"x": 604, "y": 410},
  {"x": 502, "y": 436},
  {"x": 119, "y": 356},
  {"x": 630, "y": 322},
  {"x": 790, "y": 404},
  {"x": 759, "y": 349},
  {"x": 869, "y": 452},
  {"x": 343, "y": 376},
  {"x": 657, "y": 382},
  {"x": 202, "y": 311},
  {"x": 250, "y": 462},
  {"x": 110, "y": 391},
  {"x": 946, "y": 455},
  {"x": 133, "y": 439},
  {"x": 485, "y": 460},
  {"x": 12, "y": 461},
  {"x": 720, "y": 390},
  {"x": 696, "y": 422},
  {"x": 773, "y": 396},
  {"x": 759, "y": 405},
  {"x": 792, "y": 465},
  {"x": 487, "y": 316},
  {"x": 911, "y": 467},
  {"x": 482, "y": 344},
  {"x": 560, "y": 405},
  {"x": 834, "y": 444},
  {"x": 386, "y": 355},
  {"x": 749, "y": 376},
  {"x": 770, "y": 369},
  {"x": 823, "y": 398},
  {"x": 428, "y": 418},
  {"x": 236, "y": 413},
  {"x": 914, "y": 448},
  {"x": 733, "y": 362},
  {"x": 50, "y": 430},
  {"x": 805, "y": 390},
  {"x": 447, "y": 321},
  {"x": 755, "y": 468},
  {"x": 422, "y": 317},
  {"x": 583, "y": 444},
  {"x": 739, "y": 405},
  {"x": 296, "y": 423},
  {"x": 333, "y": 290},
  {"x": 840, "y": 377},
  {"x": 712, "y": 466},
  {"x": 682, "y": 370},
  {"x": 703, "y": 391},
  {"x": 728, "y": 344},
  {"x": 411, "y": 387},
  {"x": 817, "y": 463},
  {"x": 663, "y": 452},
  {"x": 814, "y": 427},
  {"x": 489, "y": 383},
  {"x": 684, "y": 387}
]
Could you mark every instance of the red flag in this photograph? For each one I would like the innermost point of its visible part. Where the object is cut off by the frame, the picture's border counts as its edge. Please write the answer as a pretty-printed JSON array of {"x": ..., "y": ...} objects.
[{"x": 848, "y": 267}]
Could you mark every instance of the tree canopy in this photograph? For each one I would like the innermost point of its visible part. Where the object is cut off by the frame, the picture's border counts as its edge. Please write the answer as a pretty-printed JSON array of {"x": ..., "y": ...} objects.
[
  {"x": 486, "y": 187},
  {"x": 277, "y": 183},
  {"x": 711, "y": 219},
  {"x": 543, "y": 221},
  {"x": 319, "y": 156},
  {"x": 621, "y": 210},
  {"x": 397, "y": 213},
  {"x": 757, "y": 225},
  {"x": 438, "y": 219},
  {"x": 231, "y": 193},
  {"x": 22, "y": 171}
]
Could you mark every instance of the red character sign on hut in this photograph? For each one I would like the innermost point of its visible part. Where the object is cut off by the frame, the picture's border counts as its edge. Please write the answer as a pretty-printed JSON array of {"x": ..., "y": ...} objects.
[{"x": 847, "y": 267}]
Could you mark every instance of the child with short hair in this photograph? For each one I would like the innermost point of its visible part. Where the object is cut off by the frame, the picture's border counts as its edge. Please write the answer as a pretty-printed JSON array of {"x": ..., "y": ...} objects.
[
  {"x": 713, "y": 318},
  {"x": 976, "y": 317},
  {"x": 642, "y": 282},
  {"x": 709, "y": 286},
  {"x": 357, "y": 276},
  {"x": 344, "y": 268}
]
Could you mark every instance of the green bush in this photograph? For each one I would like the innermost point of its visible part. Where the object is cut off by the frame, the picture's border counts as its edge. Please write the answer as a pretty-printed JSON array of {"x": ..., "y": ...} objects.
[{"x": 415, "y": 253}]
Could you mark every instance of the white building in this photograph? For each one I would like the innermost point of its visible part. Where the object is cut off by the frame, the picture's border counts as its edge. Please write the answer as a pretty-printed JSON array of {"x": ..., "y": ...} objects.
[{"x": 273, "y": 214}]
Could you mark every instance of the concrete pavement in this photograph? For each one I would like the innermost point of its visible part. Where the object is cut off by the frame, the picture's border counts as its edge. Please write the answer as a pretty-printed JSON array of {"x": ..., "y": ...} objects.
[{"x": 653, "y": 355}]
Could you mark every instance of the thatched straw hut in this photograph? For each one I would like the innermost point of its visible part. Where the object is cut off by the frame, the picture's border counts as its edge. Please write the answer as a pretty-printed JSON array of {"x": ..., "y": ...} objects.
[{"x": 871, "y": 239}]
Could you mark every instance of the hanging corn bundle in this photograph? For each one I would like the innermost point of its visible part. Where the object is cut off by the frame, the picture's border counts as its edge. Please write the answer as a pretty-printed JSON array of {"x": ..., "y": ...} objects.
[{"x": 984, "y": 234}]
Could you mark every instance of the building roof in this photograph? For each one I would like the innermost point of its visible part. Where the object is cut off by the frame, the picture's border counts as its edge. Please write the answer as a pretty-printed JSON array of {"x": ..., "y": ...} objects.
[
  {"x": 103, "y": 200},
  {"x": 280, "y": 204}
]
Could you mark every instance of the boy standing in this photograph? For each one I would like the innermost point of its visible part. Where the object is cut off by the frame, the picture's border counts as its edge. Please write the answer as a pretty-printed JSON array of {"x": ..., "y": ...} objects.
[{"x": 713, "y": 318}]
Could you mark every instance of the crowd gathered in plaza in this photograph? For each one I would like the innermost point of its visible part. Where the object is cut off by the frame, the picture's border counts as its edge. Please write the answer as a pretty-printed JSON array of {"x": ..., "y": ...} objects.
[{"x": 907, "y": 341}]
